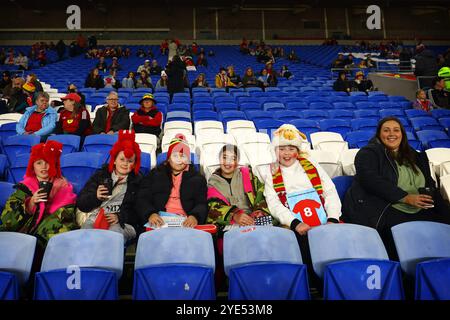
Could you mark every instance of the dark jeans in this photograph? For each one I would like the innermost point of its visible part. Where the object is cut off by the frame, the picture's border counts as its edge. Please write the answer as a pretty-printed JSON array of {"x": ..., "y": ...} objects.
[{"x": 393, "y": 217}]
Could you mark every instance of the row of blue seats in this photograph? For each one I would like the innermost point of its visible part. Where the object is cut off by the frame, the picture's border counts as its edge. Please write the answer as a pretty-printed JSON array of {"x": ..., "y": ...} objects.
[{"x": 179, "y": 263}]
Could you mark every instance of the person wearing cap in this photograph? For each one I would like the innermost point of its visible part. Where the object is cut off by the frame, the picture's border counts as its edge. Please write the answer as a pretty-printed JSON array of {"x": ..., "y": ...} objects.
[
  {"x": 155, "y": 69},
  {"x": 295, "y": 172},
  {"x": 361, "y": 83},
  {"x": 174, "y": 186},
  {"x": 38, "y": 210},
  {"x": 162, "y": 82},
  {"x": 147, "y": 119},
  {"x": 38, "y": 119},
  {"x": 112, "y": 117},
  {"x": 107, "y": 199},
  {"x": 145, "y": 66},
  {"x": 73, "y": 118}
]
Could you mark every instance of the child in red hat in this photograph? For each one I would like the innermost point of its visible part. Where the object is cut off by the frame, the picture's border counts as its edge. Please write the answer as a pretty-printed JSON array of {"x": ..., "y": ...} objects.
[
  {"x": 108, "y": 198},
  {"x": 174, "y": 186},
  {"x": 44, "y": 202}
]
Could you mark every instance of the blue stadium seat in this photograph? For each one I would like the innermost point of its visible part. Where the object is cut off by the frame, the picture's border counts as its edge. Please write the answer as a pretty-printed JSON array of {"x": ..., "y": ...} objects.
[
  {"x": 414, "y": 113},
  {"x": 320, "y": 106},
  {"x": 377, "y": 98},
  {"x": 100, "y": 143},
  {"x": 222, "y": 106},
  {"x": 359, "y": 138},
  {"x": 355, "y": 99},
  {"x": 205, "y": 115},
  {"x": 360, "y": 271},
  {"x": 426, "y": 136},
  {"x": 445, "y": 123},
  {"x": 244, "y": 106},
  {"x": 314, "y": 114},
  {"x": 230, "y": 115},
  {"x": 96, "y": 255},
  {"x": 15, "y": 263},
  {"x": 16, "y": 171},
  {"x": 178, "y": 116},
  {"x": 335, "y": 125},
  {"x": 389, "y": 105},
  {"x": 364, "y": 124},
  {"x": 174, "y": 263},
  {"x": 264, "y": 263},
  {"x": 179, "y": 107},
  {"x": 78, "y": 167},
  {"x": 296, "y": 105},
  {"x": 439, "y": 144},
  {"x": 306, "y": 126},
  {"x": 207, "y": 99},
  {"x": 268, "y": 125},
  {"x": 196, "y": 106},
  {"x": 146, "y": 163},
  {"x": 425, "y": 123},
  {"x": 7, "y": 130},
  {"x": 419, "y": 241},
  {"x": 433, "y": 280},
  {"x": 366, "y": 105},
  {"x": 273, "y": 106},
  {"x": 286, "y": 115},
  {"x": 344, "y": 105},
  {"x": 71, "y": 142},
  {"x": 3, "y": 166},
  {"x": 440, "y": 113},
  {"x": 391, "y": 113},
  {"x": 258, "y": 115},
  {"x": 6, "y": 189},
  {"x": 161, "y": 157},
  {"x": 14, "y": 146},
  {"x": 367, "y": 113},
  {"x": 342, "y": 183}
]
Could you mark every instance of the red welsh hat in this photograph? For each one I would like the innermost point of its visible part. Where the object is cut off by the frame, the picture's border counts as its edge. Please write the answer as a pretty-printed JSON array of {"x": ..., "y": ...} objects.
[
  {"x": 50, "y": 152},
  {"x": 127, "y": 144}
]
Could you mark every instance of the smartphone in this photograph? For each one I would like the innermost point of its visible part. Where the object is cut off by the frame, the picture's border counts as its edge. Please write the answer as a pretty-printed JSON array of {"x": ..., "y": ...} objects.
[
  {"x": 428, "y": 191},
  {"x": 46, "y": 187},
  {"x": 108, "y": 183}
]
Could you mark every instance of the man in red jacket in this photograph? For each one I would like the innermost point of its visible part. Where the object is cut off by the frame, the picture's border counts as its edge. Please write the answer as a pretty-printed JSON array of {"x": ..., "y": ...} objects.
[{"x": 148, "y": 118}]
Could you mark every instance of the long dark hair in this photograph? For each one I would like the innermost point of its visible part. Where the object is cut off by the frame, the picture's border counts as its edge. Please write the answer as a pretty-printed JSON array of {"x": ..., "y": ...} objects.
[{"x": 405, "y": 155}]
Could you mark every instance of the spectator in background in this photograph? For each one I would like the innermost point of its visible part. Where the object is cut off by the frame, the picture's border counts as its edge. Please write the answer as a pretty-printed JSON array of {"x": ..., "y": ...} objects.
[
  {"x": 235, "y": 78},
  {"x": 150, "y": 53},
  {"x": 176, "y": 70},
  {"x": 92, "y": 41},
  {"x": 202, "y": 61},
  {"x": 140, "y": 53},
  {"x": 32, "y": 78},
  {"x": 164, "y": 47},
  {"x": 342, "y": 83},
  {"x": 155, "y": 69},
  {"x": 426, "y": 64},
  {"x": 16, "y": 99},
  {"x": 81, "y": 42},
  {"x": 31, "y": 211},
  {"x": 422, "y": 103},
  {"x": 243, "y": 47},
  {"x": 194, "y": 48},
  {"x": 249, "y": 78},
  {"x": 2, "y": 56},
  {"x": 94, "y": 80},
  {"x": 60, "y": 49},
  {"x": 38, "y": 119},
  {"x": 129, "y": 81},
  {"x": 144, "y": 80},
  {"x": 173, "y": 50},
  {"x": 285, "y": 73},
  {"x": 29, "y": 96},
  {"x": 5, "y": 81},
  {"x": 110, "y": 80},
  {"x": 222, "y": 80},
  {"x": 349, "y": 62},
  {"x": 339, "y": 62},
  {"x": 146, "y": 66},
  {"x": 162, "y": 82},
  {"x": 405, "y": 60},
  {"x": 113, "y": 205},
  {"x": 200, "y": 82},
  {"x": 147, "y": 119},
  {"x": 71, "y": 88},
  {"x": 73, "y": 118},
  {"x": 101, "y": 65},
  {"x": 266, "y": 80},
  {"x": 115, "y": 64},
  {"x": 174, "y": 186},
  {"x": 361, "y": 83},
  {"x": 112, "y": 117},
  {"x": 293, "y": 57},
  {"x": 439, "y": 96},
  {"x": 21, "y": 61},
  {"x": 42, "y": 57},
  {"x": 386, "y": 189}
]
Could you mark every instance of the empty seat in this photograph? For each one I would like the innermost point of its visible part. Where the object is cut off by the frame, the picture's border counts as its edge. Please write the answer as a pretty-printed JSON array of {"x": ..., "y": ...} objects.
[
  {"x": 328, "y": 160},
  {"x": 273, "y": 106},
  {"x": 358, "y": 139},
  {"x": 357, "y": 271},
  {"x": 335, "y": 125},
  {"x": 342, "y": 183},
  {"x": 14, "y": 146},
  {"x": 16, "y": 170},
  {"x": 364, "y": 124},
  {"x": 340, "y": 114},
  {"x": 174, "y": 263},
  {"x": 99, "y": 143},
  {"x": 347, "y": 159},
  {"x": 428, "y": 136},
  {"x": 433, "y": 280},
  {"x": 94, "y": 257},
  {"x": 264, "y": 263},
  {"x": 15, "y": 263},
  {"x": 425, "y": 123},
  {"x": 178, "y": 116},
  {"x": 438, "y": 156},
  {"x": 70, "y": 142}
]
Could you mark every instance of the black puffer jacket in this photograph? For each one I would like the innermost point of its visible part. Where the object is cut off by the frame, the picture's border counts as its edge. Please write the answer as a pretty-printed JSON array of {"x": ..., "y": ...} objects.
[
  {"x": 157, "y": 185},
  {"x": 375, "y": 188},
  {"x": 87, "y": 199}
]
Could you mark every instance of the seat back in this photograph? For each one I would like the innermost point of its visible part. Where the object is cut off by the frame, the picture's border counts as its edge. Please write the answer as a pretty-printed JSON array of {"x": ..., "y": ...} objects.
[
  {"x": 433, "y": 280},
  {"x": 6, "y": 189},
  {"x": 334, "y": 242},
  {"x": 71, "y": 142},
  {"x": 419, "y": 241}
]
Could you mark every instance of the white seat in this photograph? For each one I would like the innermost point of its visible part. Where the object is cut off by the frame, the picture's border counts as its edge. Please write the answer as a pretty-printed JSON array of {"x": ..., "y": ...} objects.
[
  {"x": 11, "y": 116},
  {"x": 437, "y": 156},
  {"x": 51, "y": 90},
  {"x": 258, "y": 153},
  {"x": 57, "y": 95},
  {"x": 252, "y": 137},
  {"x": 318, "y": 137},
  {"x": 327, "y": 160},
  {"x": 445, "y": 187},
  {"x": 347, "y": 161},
  {"x": 170, "y": 135},
  {"x": 208, "y": 127},
  {"x": 6, "y": 121},
  {"x": 148, "y": 143},
  {"x": 239, "y": 124},
  {"x": 445, "y": 168},
  {"x": 183, "y": 127}
]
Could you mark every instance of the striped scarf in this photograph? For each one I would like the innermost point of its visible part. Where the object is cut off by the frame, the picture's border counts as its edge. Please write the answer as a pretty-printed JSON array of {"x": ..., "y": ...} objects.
[{"x": 313, "y": 176}]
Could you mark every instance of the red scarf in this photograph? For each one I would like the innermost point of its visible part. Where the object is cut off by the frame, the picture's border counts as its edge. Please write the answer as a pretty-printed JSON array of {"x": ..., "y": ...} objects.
[
  {"x": 313, "y": 175},
  {"x": 110, "y": 114}
]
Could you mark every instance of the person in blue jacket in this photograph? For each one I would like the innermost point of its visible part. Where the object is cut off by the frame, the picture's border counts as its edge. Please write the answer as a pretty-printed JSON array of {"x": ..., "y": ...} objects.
[{"x": 38, "y": 119}]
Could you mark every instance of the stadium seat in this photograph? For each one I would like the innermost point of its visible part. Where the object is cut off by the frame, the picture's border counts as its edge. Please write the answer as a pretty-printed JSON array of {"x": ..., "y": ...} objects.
[
  {"x": 414, "y": 113},
  {"x": 250, "y": 106},
  {"x": 99, "y": 143},
  {"x": 364, "y": 124},
  {"x": 433, "y": 280},
  {"x": 314, "y": 114},
  {"x": 175, "y": 264},
  {"x": 340, "y": 114},
  {"x": 361, "y": 271},
  {"x": 6, "y": 189},
  {"x": 81, "y": 265},
  {"x": 335, "y": 125},
  {"x": 347, "y": 159},
  {"x": 439, "y": 143},
  {"x": 367, "y": 114},
  {"x": 264, "y": 263},
  {"x": 438, "y": 156},
  {"x": 70, "y": 142},
  {"x": 425, "y": 123},
  {"x": 328, "y": 160},
  {"x": 15, "y": 263},
  {"x": 208, "y": 128},
  {"x": 296, "y": 106},
  {"x": 342, "y": 184},
  {"x": 428, "y": 136},
  {"x": 268, "y": 125},
  {"x": 16, "y": 170},
  {"x": 3, "y": 167},
  {"x": 230, "y": 115},
  {"x": 196, "y": 106},
  {"x": 78, "y": 167},
  {"x": 273, "y": 106},
  {"x": 14, "y": 146},
  {"x": 358, "y": 139},
  {"x": 445, "y": 123},
  {"x": 180, "y": 126},
  {"x": 391, "y": 113},
  {"x": 343, "y": 105},
  {"x": 365, "y": 105},
  {"x": 440, "y": 113},
  {"x": 178, "y": 116}
]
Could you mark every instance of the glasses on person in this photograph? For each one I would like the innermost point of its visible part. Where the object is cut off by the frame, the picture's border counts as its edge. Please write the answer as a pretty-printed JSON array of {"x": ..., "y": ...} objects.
[{"x": 112, "y": 99}]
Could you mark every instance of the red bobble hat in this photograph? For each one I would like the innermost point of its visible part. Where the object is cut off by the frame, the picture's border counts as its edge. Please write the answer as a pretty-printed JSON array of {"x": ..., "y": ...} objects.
[
  {"x": 50, "y": 152},
  {"x": 179, "y": 144},
  {"x": 127, "y": 144}
]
